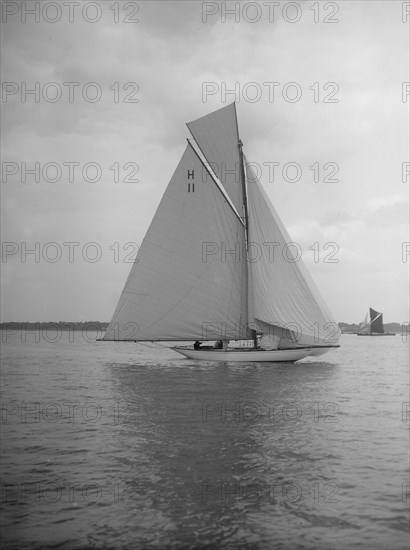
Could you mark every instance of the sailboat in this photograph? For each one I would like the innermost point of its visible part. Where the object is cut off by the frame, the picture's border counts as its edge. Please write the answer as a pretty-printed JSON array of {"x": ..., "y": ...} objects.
[
  {"x": 375, "y": 327},
  {"x": 216, "y": 264}
]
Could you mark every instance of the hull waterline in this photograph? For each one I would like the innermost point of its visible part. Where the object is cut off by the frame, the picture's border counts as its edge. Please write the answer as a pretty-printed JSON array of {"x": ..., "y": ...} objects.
[
  {"x": 240, "y": 355},
  {"x": 378, "y": 334}
]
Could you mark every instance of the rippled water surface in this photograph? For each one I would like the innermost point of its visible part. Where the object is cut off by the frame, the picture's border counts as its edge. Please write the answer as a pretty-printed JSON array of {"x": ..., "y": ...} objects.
[{"x": 115, "y": 445}]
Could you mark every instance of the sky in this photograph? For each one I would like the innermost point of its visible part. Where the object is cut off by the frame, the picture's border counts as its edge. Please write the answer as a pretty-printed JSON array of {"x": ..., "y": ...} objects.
[{"x": 86, "y": 156}]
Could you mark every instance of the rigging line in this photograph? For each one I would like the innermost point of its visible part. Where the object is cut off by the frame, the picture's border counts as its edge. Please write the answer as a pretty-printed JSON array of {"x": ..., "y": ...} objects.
[{"x": 246, "y": 219}]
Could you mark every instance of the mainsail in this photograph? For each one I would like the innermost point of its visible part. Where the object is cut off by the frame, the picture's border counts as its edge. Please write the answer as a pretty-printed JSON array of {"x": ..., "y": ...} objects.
[
  {"x": 184, "y": 284},
  {"x": 196, "y": 275},
  {"x": 285, "y": 298},
  {"x": 376, "y": 322}
]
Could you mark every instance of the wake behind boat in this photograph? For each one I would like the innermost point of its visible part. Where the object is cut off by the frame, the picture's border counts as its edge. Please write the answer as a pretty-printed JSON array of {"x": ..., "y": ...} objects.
[{"x": 217, "y": 263}]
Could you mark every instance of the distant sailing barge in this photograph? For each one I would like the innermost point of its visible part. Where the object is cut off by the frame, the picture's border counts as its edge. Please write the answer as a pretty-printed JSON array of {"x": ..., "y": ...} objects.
[
  {"x": 196, "y": 277},
  {"x": 375, "y": 327}
]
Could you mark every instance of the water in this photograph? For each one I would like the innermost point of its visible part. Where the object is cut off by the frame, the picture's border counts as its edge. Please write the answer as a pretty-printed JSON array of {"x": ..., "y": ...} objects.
[{"x": 113, "y": 445}]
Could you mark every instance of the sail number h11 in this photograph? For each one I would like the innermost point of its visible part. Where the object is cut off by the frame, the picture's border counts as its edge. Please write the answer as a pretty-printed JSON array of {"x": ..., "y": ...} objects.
[{"x": 191, "y": 185}]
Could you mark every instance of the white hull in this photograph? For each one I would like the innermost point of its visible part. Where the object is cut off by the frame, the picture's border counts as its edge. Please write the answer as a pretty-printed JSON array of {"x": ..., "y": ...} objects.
[{"x": 245, "y": 355}]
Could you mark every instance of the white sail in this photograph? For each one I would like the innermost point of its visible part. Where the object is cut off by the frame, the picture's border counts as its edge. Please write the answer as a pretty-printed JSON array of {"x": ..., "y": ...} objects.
[
  {"x": 364, "y": 327},
  {"x": 284, "y": 295},
  {"x": 217, "y": 136},
  {"x": 272, "y": 336},
  {"x": 185, "y": 285}
]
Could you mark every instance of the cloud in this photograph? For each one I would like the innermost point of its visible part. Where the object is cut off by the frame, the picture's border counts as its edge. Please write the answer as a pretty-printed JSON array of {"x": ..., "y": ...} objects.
[{"x": 169, "y": 55}]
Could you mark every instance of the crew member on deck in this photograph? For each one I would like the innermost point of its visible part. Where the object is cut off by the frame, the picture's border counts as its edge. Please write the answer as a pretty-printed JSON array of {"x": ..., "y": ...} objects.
[
  {"x": 197, "y": 344},
  {"x": 218, "y": 344}
]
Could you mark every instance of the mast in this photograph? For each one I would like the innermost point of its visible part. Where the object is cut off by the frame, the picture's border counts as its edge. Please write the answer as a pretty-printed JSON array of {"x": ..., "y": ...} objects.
[
  {"x": 245, "y": 214},
  {"x": 244, "y": 195}
]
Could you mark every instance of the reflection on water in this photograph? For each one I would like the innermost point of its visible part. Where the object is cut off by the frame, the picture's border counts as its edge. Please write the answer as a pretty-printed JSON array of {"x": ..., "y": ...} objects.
[{"x": 135, "y": 447}]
